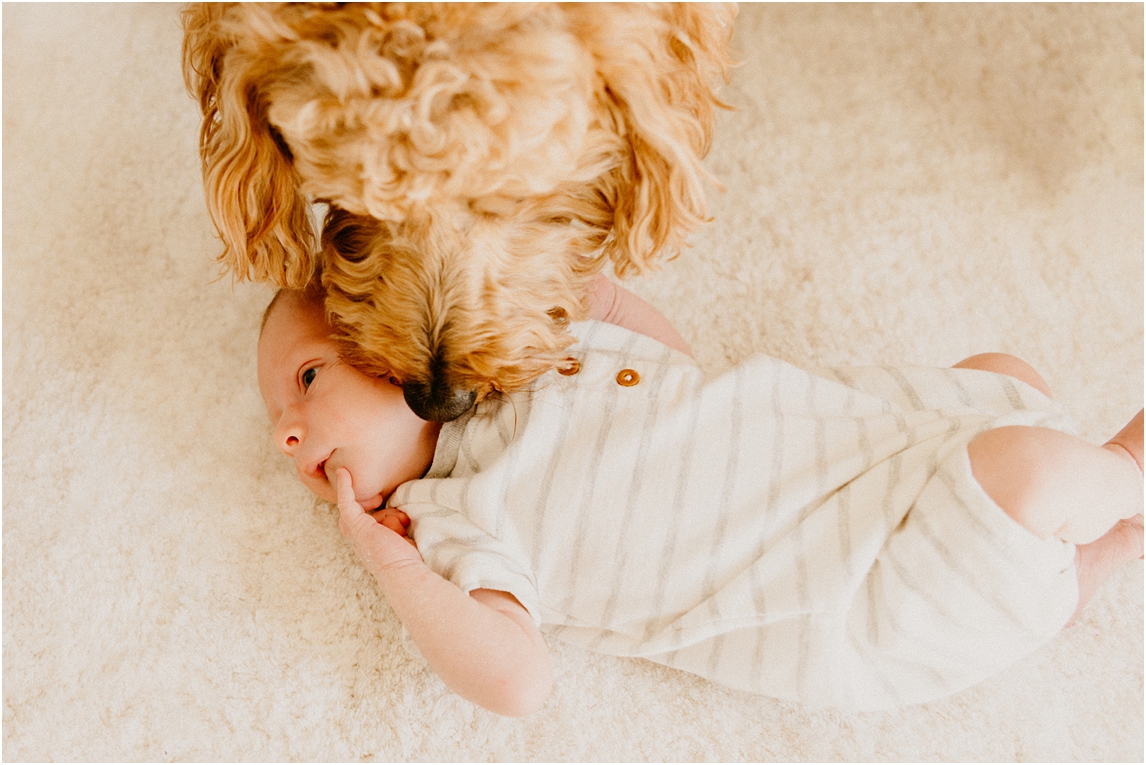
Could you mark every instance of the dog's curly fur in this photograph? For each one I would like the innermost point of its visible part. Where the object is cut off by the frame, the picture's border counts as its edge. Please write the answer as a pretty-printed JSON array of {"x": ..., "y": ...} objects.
[{"x": 480, "y": 162}]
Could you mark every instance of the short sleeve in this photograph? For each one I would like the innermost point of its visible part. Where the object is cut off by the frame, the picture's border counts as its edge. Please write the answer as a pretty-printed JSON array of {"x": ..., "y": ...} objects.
[{"x": 463, "y": 553}]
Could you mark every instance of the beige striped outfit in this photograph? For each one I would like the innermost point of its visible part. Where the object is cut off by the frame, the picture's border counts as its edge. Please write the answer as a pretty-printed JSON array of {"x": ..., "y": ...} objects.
[{"x": 810, "y": 536}]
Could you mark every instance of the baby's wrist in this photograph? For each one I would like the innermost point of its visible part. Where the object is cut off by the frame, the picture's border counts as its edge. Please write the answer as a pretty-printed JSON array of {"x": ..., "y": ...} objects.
[{"x": 397, "y": 570}]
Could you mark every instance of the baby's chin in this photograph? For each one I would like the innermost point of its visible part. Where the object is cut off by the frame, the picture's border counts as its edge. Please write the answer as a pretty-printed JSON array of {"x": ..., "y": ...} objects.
[
  {"x": 326, "y": 490},
  {"x": 373, "y": 503}
]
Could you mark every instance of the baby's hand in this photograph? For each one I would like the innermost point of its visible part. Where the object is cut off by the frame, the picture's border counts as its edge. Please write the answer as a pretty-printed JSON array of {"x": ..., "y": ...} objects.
[
  {"x": 395, "y": 520},
  {"x": 375, "y": 536}
]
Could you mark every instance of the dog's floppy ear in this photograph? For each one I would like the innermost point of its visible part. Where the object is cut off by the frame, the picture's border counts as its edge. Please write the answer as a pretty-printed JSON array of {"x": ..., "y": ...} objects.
[
  {"x": 252, "y": 190},
  {"x": 661, "y": 95}
]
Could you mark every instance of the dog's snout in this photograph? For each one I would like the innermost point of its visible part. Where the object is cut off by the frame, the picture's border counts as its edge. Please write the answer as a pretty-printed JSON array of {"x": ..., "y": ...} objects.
[{"x": 437, "y": 402}]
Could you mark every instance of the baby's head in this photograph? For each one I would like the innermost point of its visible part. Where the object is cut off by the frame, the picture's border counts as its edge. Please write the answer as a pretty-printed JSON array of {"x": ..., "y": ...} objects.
[{"x": 326, "y": 414}]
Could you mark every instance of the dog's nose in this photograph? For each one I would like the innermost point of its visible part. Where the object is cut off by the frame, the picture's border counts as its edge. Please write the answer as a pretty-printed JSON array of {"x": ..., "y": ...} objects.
[{"x": 436, "y": 402}]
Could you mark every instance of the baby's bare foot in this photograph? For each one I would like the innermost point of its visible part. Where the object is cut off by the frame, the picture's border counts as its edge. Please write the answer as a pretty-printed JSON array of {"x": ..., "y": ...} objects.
[{"x": 1097, "y": 561}]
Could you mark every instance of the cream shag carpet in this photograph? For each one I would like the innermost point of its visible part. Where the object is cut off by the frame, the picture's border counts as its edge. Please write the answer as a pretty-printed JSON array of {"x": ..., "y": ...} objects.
[{"x": 904, "y": 184}]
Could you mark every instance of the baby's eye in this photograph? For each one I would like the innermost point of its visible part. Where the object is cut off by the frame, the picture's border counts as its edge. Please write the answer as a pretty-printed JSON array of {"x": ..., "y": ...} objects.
[{"x": 308, "y": 377}]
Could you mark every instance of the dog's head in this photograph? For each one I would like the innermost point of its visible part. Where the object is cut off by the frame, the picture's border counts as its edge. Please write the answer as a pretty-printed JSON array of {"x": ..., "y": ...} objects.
[
  {"x": 480, "y": 162},
  {"x": 453, "y": 312}
]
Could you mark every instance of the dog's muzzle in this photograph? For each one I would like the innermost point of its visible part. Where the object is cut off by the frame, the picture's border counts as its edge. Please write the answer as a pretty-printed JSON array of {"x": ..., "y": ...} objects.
[{"x": 436, "y": 402}]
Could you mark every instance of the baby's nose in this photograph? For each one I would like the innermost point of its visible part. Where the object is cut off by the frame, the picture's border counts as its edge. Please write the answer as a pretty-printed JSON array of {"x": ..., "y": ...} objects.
[{"x": 288, "y": 436}]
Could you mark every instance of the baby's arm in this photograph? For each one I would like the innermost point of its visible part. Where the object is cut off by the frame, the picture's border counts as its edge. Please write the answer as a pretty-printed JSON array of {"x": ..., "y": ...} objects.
[
  {"x": 484, "y": 645},
  {"x": 616, "y": 305}
]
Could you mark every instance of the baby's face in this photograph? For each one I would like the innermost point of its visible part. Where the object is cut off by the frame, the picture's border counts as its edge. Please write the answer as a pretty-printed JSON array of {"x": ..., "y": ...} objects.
[{"x": 327, "y": 414}]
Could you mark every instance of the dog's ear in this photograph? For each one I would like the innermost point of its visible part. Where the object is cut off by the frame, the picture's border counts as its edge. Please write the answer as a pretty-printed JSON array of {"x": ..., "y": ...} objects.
[
  {"x": 662, "y": 98},
  {"x": 252, "y": 190}
]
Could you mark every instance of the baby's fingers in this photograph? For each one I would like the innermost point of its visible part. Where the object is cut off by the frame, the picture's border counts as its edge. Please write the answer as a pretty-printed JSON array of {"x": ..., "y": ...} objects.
[
  {"x": 350, "y": 513},
  {"x": 344, "y": 487},
  {"x": 353, "y": 520},
  {"x": 393, "y": 522}
]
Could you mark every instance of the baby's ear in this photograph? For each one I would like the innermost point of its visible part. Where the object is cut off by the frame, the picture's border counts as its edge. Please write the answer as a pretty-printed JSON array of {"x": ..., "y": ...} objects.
[{"x": 253, "y": 193}]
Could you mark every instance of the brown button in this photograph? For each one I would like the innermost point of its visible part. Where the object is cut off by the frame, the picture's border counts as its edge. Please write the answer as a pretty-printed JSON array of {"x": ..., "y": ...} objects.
[
  {"x": 628, "y": 377},
  {"x": 574, "y": 366}
]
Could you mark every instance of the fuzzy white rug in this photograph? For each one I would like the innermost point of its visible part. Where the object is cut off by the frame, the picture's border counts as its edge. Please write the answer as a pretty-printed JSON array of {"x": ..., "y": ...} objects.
[{"x": 904, "y": 184}]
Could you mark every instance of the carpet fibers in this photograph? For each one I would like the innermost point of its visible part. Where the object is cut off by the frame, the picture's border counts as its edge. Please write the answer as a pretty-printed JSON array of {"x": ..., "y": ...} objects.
[{"x": 903, "y": 184}]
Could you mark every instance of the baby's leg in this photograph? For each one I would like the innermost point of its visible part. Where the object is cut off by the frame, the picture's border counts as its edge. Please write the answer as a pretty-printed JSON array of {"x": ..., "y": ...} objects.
[
  {"x": 1051, "y": 483},
  {"x": 1054, "y": 484},
  {"x": 1005, "y": 364},
  {"x": 1129, "y": 439},
  {"x": 1097, "y": 561}
]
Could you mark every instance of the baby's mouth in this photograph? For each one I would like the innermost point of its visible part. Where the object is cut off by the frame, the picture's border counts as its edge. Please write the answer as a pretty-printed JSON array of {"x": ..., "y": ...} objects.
[{"x": 319, "y": 470}]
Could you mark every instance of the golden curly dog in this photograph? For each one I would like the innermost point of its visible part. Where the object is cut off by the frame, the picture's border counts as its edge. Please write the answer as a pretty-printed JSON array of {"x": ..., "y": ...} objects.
[{"x": 480, "y": 163}]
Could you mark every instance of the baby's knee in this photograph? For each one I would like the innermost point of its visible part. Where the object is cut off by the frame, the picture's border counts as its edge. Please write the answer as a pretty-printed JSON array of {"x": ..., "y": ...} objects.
[
  {"x": 1006, "y": 364},
  {"x": 1016, "y": 466}
]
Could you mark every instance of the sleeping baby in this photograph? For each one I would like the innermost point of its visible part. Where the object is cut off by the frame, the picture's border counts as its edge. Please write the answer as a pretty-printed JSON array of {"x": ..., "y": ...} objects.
[{"x": 859, "y": 537}]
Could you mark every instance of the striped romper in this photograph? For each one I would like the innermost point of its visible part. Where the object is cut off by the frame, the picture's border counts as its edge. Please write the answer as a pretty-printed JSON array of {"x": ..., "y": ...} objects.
[{"x": 814, "y": 537}]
